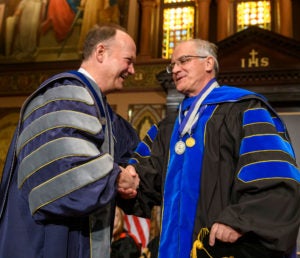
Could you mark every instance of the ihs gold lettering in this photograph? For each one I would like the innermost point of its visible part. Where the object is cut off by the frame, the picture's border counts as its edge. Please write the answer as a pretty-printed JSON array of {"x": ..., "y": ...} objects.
[{"x": 254, "y": 61}]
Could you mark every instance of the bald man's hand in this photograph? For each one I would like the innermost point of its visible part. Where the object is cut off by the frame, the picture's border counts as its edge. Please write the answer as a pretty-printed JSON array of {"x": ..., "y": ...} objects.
[{"x": 128, "y": 182}]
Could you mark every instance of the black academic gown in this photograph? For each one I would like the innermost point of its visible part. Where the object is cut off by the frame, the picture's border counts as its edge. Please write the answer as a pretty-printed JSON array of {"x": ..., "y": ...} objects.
[{"x": 266, "y": 211}]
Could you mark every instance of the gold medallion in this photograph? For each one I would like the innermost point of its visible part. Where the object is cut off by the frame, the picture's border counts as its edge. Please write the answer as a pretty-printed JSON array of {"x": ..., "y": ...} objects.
[{"x": 190, "y": 142}]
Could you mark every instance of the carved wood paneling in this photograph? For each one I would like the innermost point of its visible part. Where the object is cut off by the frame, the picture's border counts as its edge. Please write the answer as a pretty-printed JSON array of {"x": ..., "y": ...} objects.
[{"x": 24, "y": 78}]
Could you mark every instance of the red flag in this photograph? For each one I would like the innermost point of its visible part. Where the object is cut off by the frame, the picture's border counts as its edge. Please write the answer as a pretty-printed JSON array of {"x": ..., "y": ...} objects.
[{"x": 139, "y": 227}]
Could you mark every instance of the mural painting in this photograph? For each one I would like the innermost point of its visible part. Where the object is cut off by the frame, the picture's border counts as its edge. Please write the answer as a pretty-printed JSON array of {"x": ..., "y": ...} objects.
[{"x": 51, "y": 30}]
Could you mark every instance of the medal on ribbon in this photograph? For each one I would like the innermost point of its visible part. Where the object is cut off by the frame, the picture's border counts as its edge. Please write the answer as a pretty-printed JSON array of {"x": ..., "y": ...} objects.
[
  {"x": 180, "y": 147},
  {"x": 190, "y": 142},
  {"x": 189, "y": 121}
]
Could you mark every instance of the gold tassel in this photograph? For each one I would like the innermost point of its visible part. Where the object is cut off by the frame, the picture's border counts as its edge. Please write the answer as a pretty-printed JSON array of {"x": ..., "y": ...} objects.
[{"x": 198, "y": 244}]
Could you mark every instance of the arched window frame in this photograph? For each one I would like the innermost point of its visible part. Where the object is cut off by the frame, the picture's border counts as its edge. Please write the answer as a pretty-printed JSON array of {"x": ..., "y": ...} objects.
[
  {"x": 272, "y": 14},
  {"x": 175, "y": 5}
]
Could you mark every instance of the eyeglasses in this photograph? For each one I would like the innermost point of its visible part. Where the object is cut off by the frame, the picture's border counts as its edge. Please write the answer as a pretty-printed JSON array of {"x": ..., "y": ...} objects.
[{"x": 181, "y": 61}]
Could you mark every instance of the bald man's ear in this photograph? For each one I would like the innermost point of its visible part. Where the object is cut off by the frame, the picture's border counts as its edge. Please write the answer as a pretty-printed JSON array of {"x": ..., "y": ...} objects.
[{"x": 100, "y": 49}]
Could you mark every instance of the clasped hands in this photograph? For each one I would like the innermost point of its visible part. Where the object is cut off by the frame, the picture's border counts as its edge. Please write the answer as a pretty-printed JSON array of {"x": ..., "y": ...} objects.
[{"x": 128, "y": 182}]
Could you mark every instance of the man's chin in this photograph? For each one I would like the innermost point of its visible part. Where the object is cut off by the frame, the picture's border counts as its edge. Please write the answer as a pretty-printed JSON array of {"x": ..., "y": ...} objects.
[
  {"x": 119, "y": 87},
  {"x": 180, "y": 89}
]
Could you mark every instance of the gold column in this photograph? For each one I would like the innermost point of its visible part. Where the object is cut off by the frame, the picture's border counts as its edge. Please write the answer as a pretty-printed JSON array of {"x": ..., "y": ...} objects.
[
  {"x": 225, "y": 19},
  {"x": 286, "y": 25},
  {"x": 146, "y": 28},
  {"x": 202, "y": 24}
]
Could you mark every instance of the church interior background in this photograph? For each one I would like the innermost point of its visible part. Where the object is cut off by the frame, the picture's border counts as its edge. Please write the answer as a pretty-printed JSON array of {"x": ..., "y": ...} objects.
[{"x": 258, "y": 40}]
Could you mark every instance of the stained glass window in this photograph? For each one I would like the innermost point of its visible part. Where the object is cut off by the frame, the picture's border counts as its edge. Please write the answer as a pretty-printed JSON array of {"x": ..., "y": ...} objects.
[
  {"x": 178, "y": 24},
  {"x": 254, "y": 13},
  {"x": 176, "y": 1}
]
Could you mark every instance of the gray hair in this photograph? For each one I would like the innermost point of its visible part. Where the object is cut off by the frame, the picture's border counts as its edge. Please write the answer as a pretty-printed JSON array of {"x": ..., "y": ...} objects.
[{"x": 206, "y": 48}]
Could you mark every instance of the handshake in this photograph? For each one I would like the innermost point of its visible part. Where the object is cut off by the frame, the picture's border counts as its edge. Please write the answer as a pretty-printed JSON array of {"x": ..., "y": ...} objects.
[{"x": 128, "y": 182}]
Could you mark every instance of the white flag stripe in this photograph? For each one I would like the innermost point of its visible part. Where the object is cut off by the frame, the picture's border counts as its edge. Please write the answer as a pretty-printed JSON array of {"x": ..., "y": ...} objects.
[
  {"x": 139, "y": 227},
  {"x": 132, "y": 228}
]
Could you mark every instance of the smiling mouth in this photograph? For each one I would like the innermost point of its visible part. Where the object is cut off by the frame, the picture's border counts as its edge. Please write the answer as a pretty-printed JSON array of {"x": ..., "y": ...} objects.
[
  {"x": 124, "y": 75},
  {"x": 177, "y": 79}
]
